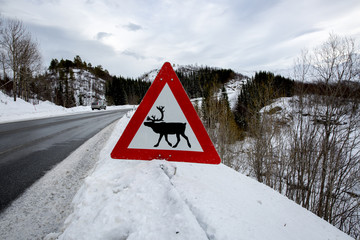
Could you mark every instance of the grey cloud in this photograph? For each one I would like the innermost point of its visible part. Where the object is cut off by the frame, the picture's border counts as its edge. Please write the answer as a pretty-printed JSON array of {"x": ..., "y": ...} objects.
[
  {"x": 59, "y": 43},
  {"x": 132, "y": 26},
  {"x": 133, "y": 54},
  {"x": 138, "y": 56},
  {"x": 102, "y": 35},
  {"x": 40, "y": 2}
]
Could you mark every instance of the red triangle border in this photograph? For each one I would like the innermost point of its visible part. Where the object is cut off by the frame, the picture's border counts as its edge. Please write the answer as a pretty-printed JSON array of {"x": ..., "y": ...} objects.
[{"x": 166, "y": 75}]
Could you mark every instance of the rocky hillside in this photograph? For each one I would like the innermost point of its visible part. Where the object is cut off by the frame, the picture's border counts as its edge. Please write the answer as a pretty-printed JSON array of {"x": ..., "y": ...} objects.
[{"x": 79, "y": 87}]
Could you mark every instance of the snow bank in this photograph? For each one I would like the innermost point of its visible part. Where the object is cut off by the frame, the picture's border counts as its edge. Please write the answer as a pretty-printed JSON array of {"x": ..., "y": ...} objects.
[
  {"x": 125, "y": 199},
  {"x": 21, "y": 110}
]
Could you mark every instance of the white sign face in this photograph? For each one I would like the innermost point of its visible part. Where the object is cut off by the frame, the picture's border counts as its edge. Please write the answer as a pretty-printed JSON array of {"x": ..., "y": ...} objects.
[{"x": 166, "y": 127}]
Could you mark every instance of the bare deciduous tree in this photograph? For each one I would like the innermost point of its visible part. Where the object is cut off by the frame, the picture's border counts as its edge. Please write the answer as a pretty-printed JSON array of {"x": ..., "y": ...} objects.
[
  {"x": 325, "y": 140},
  {"x": 315, "y": 158},
  {"x": 20, "y": 55}
]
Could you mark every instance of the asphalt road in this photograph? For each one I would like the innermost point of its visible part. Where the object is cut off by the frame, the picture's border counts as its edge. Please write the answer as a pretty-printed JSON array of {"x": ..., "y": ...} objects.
[{"x": 28, "y": 149}]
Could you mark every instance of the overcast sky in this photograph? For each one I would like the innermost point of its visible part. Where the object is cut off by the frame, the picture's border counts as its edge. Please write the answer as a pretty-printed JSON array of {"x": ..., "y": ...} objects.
[{"x": 131, "y": 37}]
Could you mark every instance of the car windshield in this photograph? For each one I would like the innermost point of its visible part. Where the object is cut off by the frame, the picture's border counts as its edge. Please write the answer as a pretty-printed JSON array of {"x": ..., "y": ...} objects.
[{"x": 95, "y": 103}]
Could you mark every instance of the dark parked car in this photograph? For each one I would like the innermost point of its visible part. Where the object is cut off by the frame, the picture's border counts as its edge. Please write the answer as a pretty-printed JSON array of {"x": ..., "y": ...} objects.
[{"x": 99, "y": 104}]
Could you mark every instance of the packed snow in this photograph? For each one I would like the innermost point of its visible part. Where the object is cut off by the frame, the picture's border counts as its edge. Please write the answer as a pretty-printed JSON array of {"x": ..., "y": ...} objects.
[{"x": 132, "y": 199}]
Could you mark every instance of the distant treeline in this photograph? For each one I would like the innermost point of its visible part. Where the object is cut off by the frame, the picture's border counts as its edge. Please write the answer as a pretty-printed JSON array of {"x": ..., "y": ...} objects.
[
  {"x": 265, "y": 87},
  {"x": 344, "y": 89},
  {"x": 258, "y": 92},
  {"x": 198, "y": 80},
  {"x": 120, "y": 91},
  {"x": 67, "y": 64}
]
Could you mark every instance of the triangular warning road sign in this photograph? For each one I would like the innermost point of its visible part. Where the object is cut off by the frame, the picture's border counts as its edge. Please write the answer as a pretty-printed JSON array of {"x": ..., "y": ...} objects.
[{"x": 166, "y": 126}]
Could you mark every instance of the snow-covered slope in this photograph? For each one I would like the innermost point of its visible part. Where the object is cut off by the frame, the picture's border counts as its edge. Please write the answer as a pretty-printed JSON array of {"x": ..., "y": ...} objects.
[
  {"x": 233, "y": 88},
  {"x": 150, "y": 76},
  {"x": 129, "y": 199}
]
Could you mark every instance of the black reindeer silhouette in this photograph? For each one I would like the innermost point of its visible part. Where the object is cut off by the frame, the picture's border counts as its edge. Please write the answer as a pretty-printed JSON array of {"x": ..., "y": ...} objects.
[{"x": 166, "y": 128}]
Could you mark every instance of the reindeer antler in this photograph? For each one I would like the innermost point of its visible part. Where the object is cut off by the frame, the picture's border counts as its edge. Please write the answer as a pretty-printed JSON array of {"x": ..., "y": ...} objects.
[
  {"x": 161, "y": 109},
  {"x": 153, "y": 118}
]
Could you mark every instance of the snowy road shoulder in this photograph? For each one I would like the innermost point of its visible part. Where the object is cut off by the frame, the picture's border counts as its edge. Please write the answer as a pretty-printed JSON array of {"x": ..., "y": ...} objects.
[
  {"x": 163, "y": 200},
  {"x": 46, "y": 204}
]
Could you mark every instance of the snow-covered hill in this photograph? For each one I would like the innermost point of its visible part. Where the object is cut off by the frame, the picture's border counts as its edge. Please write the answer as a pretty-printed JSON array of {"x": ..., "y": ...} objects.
[
  {"x": 150, "y": 76},
  {"x": 232, "y": 87}
]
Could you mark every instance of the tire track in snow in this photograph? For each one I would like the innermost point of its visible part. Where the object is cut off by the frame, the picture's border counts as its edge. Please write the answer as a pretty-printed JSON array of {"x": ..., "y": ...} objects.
[{"x": 170, "y": 172}]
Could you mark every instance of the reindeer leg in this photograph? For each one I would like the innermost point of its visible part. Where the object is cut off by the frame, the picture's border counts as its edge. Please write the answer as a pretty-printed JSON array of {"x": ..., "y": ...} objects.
[
  {"x": 178, "y": 140},
  {"x": 156, "y": 145},
  {"x": 166, "y": 138},
  {"x": 187, "y": 139}
]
